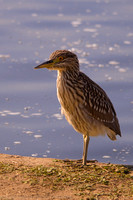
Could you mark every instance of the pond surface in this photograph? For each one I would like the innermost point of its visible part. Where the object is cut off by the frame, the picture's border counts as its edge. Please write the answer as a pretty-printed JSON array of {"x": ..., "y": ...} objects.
[{"x": 100, "y": 32}]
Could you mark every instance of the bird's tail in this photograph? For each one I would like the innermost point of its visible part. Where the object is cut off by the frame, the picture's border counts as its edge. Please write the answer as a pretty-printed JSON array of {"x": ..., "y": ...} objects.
[{"x": 112, "y": 135}]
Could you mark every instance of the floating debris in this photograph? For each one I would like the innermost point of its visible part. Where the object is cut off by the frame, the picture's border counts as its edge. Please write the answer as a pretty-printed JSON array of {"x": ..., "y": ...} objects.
[
  {"x": 37, "y": 62},
  {"x": 6, "y": 123},
  {"x": 77, "y": 42},
  {"x": 36, "y": 114},
  {"x": 14, "y": 113},
  {"x": 34, "y": 154},
  {"x": 7, "y": 148},
  {"x": 76, "y": 23},
  {"x": 47, "y": 151},
  {"x": 111, "y": 48},
  {"x": 7, "y": 99},
  {"x": 113, "y": 62},
  {"x": 100, "y": 65},
  {"x": 4, "y": 57},
  {"x": 91, "y": 30},
  {"x": 76, "y": 50},
  {"x": 17, "y": 142},
  {"x": 8, "y": 112},
  {"x": 106, "y": 157},
  {"x": 108, "y": 78},
  {"x": 34, "y": 14},
  {"x": 83, "y": 61},
  {"x": 28, "y": 132},
  {"x": 58, "y": 116},
  {"x": 122, "y": 70},
  {"x": 114, "y": 150},
  {"x": 130, "y": 35},
  {"x": 37, "y": 136},
  {"x": 93, "y": 46},
  {"x": 98, "y": 25},
  {"x": 127, "y": 42},
  {"x": 27, "y": 108},
  {"x": 45, "y": 156},
  {"x": 25, "y": 116},
  {"x": 3, "y": 115}
]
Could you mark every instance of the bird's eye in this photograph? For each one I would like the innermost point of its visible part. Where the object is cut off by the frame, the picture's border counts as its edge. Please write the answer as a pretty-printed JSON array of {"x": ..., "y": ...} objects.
[{"x": 60, "y": 58}]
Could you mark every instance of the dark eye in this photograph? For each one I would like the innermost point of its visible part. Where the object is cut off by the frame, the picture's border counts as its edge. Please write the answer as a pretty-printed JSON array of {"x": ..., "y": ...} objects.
[{"x": 60, "y": 58}]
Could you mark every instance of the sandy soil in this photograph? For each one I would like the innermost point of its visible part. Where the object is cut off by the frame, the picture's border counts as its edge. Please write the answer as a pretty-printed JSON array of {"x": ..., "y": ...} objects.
[{"x": 44, "y": 178}]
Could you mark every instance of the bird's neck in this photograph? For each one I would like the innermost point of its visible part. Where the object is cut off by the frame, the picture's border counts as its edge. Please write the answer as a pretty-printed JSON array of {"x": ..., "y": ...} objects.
[{"x": 68, "y": 74}]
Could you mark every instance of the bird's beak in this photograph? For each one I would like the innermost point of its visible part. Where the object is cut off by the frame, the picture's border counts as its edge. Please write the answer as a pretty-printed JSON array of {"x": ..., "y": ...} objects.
[{"x": 48, "y": 64}]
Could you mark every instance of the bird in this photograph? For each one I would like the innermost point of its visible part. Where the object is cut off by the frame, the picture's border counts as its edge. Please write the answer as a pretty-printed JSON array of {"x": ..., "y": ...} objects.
[{"x": 84, "y": 103}]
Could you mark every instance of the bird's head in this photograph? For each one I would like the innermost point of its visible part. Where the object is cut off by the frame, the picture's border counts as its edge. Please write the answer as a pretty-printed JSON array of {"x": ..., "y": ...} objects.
[{"x": 61, "y": 60}]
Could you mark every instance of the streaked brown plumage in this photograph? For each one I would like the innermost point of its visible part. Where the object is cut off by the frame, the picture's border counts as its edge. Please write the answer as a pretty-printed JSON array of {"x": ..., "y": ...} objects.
[{"x": 83, "y": 102}]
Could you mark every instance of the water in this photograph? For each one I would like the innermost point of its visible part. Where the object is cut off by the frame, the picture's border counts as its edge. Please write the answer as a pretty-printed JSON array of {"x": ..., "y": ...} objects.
[{"x": 101, "y": 34}]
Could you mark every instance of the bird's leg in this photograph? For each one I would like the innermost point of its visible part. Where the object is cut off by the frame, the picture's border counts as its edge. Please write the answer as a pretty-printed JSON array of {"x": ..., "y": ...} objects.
[{"x": 85, "y": 149}]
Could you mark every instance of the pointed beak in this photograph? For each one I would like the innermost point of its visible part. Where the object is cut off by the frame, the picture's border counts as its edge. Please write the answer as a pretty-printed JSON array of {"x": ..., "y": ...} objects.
[{"x": 47, "y": 64}]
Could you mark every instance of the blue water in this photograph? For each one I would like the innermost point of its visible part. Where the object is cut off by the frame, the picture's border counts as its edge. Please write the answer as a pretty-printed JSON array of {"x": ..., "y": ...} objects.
[{"x": 101, "y": 34}]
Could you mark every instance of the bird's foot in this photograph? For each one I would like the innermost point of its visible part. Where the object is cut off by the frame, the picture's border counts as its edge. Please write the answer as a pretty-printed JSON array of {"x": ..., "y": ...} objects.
[
  {"x": 88, "y": 162},
  {"x": 92, "y": 161},
  {"x": 79, "y": 162}
]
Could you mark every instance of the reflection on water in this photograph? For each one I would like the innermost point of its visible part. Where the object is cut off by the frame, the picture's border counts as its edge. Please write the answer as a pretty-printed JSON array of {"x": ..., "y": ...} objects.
[{"x": 101, "y": 34}]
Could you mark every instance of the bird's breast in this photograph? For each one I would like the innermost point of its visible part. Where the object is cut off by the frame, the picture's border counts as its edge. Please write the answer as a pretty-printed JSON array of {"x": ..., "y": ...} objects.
[
  {"x": 69, "y": 100},
  {"x": 66, "y": 94}
]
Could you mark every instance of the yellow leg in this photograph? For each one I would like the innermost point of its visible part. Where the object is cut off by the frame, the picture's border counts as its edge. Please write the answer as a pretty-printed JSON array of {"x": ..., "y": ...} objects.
[{"x": 85, "y": 149}]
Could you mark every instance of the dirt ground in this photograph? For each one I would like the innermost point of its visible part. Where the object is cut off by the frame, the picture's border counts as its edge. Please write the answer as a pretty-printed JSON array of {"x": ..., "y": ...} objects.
[{"x": 31, "y": 178}]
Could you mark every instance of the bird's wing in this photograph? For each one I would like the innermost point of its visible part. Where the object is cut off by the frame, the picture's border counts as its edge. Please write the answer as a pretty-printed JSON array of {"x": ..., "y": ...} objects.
[{"x": 98, "y": 105}]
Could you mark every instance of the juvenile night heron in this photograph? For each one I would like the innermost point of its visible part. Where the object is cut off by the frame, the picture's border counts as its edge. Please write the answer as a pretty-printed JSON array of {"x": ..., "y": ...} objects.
[{"x": 83, "y": 102}]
